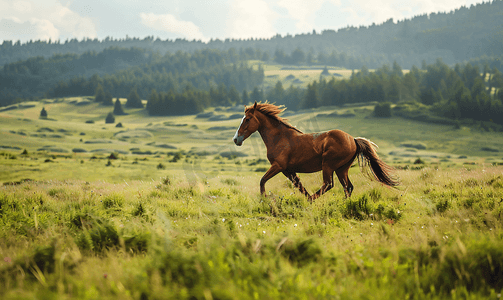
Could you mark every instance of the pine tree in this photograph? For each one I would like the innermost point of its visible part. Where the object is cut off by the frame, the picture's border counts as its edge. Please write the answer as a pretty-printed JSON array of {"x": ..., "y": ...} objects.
[
  {"x": 118, "y": 108},
  {"x": 255, "y": 95},
  {"x": 133, "y": 99},
  {"x": 245, "y": 99},
  {"x": 276, "y": 95},
  {"x": 108, "y": 101},
  {"x": 234, "y": 95},
  {"x": 224, "y": 99},
  {"x": 99, "y": 94},
  {"x": 153, "y": 103},
  {"x": 311, "y": 97}
]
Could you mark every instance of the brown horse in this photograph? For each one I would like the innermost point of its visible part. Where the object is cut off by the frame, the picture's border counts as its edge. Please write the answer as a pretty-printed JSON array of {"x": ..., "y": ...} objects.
[{"x": 290, "y": 151}]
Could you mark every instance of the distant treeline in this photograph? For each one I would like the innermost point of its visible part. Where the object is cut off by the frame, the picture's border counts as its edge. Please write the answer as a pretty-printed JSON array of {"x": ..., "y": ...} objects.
[
  {"x": 462, "y": 92},
  {"x": 77, "y": 75},
  {"x": 458, "y": 36}
]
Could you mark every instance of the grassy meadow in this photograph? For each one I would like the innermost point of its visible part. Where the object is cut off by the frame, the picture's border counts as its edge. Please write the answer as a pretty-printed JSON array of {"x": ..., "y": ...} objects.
[
  {"x": 169, "y": 208},
  {"x": 299, "y": 76}
]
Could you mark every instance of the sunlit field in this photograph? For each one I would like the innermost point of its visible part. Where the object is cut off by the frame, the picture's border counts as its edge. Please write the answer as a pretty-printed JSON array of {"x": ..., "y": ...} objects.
[
  {"x": 169, "y": 208},
  {"x": 300, "y": 76}
]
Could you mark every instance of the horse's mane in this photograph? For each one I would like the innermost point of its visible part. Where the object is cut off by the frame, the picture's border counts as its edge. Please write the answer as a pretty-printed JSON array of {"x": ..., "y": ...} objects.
[{"x": 272, "y": 111}]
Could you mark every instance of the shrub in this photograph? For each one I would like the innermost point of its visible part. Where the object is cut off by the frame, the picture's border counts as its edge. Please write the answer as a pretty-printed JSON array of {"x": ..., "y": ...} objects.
[
  {"x": 100, "y": 237},
  {"x": 476, "y": 266},
  {"x": 442, "y": 205},
  {"x": 419, "y": 161},
  {"x": 113, "y": 200},
  {"x": 357, "y": 209},
  {"x": 302, "y": 253},
  {"x": 43, "y": 113},
  {"x": 230, "y": 181},
  {"x": 139, "y": 210},
  {"x": 137, "y": 242},
  {"x": 110, "y": 119},
  {"x": 382, "y": 110},
  {"x": 177, "y": 156}
]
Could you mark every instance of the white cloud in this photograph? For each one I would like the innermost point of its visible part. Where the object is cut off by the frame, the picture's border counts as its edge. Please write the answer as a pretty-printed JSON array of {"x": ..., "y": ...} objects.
[
  {"x": 32, "y": 19},
  {"x": 34, "y": 29},
  {"x": 22, "y": 6},
  {"x": 170, "y": 23},
  {"x": 251, "y": 19},
  {"x": 72, "y": 23},
  {"x": 303, "y": 12}
]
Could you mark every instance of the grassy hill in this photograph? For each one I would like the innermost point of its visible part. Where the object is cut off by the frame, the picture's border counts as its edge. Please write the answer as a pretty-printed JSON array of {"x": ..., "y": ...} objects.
[
  {"x": 168, "y": 207},
  {"x": 75, "y": 131}
]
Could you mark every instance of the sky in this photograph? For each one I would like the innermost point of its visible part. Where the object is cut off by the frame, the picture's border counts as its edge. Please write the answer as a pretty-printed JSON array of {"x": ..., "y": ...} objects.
[{"x": 203, "y": 20}]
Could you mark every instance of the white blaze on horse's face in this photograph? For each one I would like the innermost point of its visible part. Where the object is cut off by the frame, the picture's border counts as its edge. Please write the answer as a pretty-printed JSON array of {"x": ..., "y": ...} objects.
[{"x": 238, "y": 139}]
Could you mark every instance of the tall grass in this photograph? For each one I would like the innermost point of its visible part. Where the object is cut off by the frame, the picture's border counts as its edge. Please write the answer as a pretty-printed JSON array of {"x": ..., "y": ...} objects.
[{"x": 438, "y": 236}]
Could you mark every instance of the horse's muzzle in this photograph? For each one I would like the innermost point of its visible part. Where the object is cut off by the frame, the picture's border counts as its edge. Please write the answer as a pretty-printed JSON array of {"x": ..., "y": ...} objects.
[{"x": 238, "y": 140}]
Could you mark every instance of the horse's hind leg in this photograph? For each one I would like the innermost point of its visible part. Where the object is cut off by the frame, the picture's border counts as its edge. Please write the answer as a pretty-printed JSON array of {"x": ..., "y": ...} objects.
[
  {"x": 296, "y": 182},
  {"x": 328, "y": 183},
  {"x": 342, "y": 174}
]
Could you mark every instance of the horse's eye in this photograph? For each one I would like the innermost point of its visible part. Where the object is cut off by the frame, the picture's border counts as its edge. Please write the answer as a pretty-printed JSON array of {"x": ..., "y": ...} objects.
[{"x": 247, "y": 120}]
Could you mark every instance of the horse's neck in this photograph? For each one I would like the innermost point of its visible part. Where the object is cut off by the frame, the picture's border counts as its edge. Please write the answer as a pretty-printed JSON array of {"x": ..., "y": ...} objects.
[{"x": 272, "y": 131}]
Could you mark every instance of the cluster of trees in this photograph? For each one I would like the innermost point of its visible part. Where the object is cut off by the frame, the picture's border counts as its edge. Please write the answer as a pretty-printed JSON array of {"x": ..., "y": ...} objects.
[
  {"x": 103, "y": 97},
  {"x": 189, "y": 101},
  {"x": 458, "y": 93},
  {"x": 335, "y": 58},
  {"x": 456, "y": 36},
  {"x": 192, "y": 101}
]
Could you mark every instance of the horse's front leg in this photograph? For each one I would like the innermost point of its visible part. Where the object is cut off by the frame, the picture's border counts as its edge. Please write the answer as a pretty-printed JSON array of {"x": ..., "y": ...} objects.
[
  {"x": 273, "y": 170},
  {"x": 296, "y": 182}
]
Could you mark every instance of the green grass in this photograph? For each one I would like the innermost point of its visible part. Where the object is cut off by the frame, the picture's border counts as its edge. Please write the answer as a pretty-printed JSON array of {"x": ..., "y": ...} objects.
[
  {"x": 299, "y": 75},
  {"x": 198, "y": 228},
  {"x": 169, "y": 239}
]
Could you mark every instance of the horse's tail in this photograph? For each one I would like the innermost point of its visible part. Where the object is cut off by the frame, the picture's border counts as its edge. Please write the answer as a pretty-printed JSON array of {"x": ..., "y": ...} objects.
[{"x": 367, "y": 155}]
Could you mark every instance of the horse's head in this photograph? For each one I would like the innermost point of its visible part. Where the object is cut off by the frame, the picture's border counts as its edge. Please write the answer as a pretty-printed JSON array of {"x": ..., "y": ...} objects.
[{"x": 249, "y": 124}]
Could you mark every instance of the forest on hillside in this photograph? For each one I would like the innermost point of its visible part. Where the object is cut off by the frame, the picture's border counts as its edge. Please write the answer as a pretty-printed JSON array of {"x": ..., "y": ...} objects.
[
  {"x": 467, "y": 33},
  {"x": 436, "y": 93},
  {"x": 463, "y": 92},
  {"x": 187, "y": 83},
  {"x": 119, "y": 70}
]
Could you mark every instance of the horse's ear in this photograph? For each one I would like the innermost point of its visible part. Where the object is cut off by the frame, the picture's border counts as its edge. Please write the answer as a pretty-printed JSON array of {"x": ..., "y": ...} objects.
[{"x": 254, "y": 106}]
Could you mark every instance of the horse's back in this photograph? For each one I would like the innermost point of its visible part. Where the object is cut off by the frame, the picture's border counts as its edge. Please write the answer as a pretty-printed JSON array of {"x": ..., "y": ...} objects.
[{"x": 341, "y": 138}]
